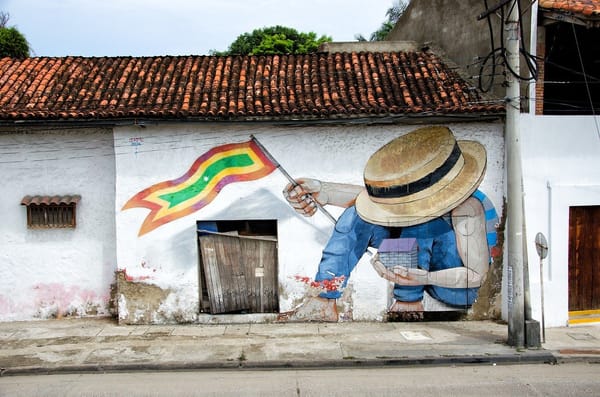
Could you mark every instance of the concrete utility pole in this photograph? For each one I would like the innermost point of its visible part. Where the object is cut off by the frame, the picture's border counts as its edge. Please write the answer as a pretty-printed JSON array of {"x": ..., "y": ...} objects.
[{"x": 516, "y": 319}]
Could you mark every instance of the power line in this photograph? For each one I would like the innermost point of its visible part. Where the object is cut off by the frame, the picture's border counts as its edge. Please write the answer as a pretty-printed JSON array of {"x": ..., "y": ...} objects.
[
  {"x": 530, "y": 60},
  {"x": 587, "y": 86}
]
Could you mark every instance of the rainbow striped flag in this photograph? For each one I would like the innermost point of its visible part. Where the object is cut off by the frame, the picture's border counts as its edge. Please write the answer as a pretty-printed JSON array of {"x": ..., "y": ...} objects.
[{"x": 195, "y": 189}]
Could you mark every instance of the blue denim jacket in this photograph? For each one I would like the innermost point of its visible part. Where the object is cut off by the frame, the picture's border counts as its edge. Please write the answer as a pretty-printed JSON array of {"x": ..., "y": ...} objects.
[{"x": 437, "y": 251}]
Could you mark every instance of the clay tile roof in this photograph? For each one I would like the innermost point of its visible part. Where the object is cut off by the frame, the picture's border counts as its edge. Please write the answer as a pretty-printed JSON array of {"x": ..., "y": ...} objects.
[
  {"x": 582, "y": 7},
  {"x": 50, "y": 200},
  {"x": 312, "y": 86}
]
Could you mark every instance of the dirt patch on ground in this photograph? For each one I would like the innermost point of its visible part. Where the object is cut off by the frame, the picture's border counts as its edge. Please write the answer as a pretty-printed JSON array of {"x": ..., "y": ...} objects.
[{"x": 22, "y": 360}]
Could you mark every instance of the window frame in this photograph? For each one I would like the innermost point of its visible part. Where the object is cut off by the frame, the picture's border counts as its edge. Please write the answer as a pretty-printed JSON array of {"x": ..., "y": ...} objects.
[{"x": 51, "y": 212}]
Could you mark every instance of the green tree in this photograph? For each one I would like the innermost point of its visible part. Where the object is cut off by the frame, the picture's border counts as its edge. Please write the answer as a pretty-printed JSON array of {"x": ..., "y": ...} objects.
[
  {"x": 12, "y": 42},
  {"x": 274, "y": 40},
  {"x": 393, "y": 14}
]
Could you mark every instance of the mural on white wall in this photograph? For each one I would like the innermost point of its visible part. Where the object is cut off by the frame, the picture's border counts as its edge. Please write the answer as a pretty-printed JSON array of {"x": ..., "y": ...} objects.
[
  {"x": 220, "y": 166},
  {"x": 419, "y": 215},
  {"x": 420, "y": 206}
]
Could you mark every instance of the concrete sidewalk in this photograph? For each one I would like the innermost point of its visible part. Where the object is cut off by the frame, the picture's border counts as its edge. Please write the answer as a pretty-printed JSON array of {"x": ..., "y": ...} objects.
[{"x": 93, "y": 345}]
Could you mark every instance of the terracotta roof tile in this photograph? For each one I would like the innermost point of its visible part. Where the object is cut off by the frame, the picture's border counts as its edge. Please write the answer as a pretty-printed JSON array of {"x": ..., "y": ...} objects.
[
  {"x": 583, "y": 7},
  {"x": 50, "y": 200},
  {"x": 319, "y": 85}
]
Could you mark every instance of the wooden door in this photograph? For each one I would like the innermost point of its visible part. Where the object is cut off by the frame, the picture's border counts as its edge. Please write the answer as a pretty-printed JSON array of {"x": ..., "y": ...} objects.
[
  {"x": 238, "y": 274},
  {"x": 260, "y": 267},
  {"x": 584, "y": 258},
  {"x": 224, "y": 273}
]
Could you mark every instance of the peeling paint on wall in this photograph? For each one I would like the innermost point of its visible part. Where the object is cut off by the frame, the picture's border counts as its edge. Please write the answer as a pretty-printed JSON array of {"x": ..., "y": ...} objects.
[
  {"x": 55, "y": 300},
  {"x": 137, "y": 302},
  {"x": 488, "y": 305},
  {"x": 345, "y": 304}
]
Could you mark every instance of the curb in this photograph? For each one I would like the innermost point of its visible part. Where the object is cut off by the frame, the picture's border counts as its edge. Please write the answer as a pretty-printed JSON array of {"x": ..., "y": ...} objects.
[
  {"x": 503, "y": 359},
  {"x": 571, "y": 358}
]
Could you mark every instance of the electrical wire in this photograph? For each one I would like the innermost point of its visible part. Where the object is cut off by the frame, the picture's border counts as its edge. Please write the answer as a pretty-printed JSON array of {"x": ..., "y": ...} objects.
[
  {"x": 573, "y": 71},
  {"x": 501, "y": 53},
  {"x": 587, "y": 86}
]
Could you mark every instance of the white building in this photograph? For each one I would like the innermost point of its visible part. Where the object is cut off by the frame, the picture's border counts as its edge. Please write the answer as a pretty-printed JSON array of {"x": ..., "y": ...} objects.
[
  {"x": 561, "y": 142},
  {"x": 107, "y": 129},
  {"x": 559, "y": 130}
]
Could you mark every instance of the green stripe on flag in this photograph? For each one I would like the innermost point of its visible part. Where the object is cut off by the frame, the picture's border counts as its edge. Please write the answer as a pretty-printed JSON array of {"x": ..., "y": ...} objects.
[{"x": 238, "y": 160}]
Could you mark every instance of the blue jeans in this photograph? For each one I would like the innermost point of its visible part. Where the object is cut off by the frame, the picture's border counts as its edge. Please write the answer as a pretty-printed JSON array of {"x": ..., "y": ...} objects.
[{"x": 437, "y": 251}]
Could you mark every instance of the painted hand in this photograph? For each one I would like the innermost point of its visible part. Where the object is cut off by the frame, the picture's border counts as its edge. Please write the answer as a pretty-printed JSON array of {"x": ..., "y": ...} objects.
[
  {"x": 302, "y": 196},
  {"x": 399, "y": 274}
]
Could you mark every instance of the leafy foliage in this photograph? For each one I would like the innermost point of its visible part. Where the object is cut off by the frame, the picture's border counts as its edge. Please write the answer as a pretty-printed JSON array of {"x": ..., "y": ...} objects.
[
  {"x": 393, "y": 14},
  {"x": 12, "y": 42},
  {"x": 274, "y": 40}
]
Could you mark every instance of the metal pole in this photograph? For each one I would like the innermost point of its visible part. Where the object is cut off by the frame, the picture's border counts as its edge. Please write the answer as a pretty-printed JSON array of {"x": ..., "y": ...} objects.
[
  {"x": 542, "y": 299},
  {"x": 290, "y": 179},
  {"x": 516, "y": 320},
  {"x": 541, "y": 245}
]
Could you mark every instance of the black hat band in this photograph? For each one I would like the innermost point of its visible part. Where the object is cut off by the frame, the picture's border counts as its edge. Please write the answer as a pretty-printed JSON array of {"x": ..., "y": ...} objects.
[{"x": 428, "y": 180}]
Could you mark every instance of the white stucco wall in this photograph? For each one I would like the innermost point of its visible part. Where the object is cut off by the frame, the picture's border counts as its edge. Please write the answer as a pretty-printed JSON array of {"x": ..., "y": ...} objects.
[
  {"x": 56, "y": 272},
  {"x": 168, "y": 257},
  {"x": 561, "y": 169}
]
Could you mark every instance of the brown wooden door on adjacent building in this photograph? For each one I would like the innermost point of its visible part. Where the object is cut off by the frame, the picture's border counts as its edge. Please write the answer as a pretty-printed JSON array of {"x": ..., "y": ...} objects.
[{"x": 584, "y": 258}]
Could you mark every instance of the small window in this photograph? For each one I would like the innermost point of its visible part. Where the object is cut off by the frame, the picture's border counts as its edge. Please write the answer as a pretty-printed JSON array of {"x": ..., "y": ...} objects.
[{"x": 46, "y": 212}]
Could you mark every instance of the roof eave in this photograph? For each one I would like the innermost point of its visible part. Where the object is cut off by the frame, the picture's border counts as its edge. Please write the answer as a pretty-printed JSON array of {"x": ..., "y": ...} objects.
[
  {"x": 554, "y": 16},
  {"x": 388, "y": 118}
]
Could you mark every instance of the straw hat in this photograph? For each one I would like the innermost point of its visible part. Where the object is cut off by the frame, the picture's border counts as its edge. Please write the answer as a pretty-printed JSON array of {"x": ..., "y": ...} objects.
[{"x": 420, "y": 176}]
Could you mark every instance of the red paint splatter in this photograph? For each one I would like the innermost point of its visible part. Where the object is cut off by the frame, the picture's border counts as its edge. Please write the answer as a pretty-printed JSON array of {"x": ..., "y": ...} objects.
[
  {"x": 496, "y": 252},
  {"x": 331, "y": 285},
  {"x": 133, "y": 278}
]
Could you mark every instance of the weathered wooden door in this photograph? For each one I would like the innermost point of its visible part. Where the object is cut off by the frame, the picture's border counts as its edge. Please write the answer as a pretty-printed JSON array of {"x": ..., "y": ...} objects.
[
  {"x": 260, "y": 267},
  {"x": 584, "y": 258},
  {"x": 225, "y": 277},
  {"x": 238, "y": 273}
]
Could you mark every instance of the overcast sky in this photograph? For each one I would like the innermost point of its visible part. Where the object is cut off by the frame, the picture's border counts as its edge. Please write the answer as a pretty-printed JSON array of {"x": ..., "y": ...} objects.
[{"x": 178, "y": 27}]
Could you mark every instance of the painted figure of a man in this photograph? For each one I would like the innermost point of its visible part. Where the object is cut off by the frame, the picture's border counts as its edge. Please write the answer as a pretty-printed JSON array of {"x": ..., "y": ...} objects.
[{"x": 421, "y": 185}]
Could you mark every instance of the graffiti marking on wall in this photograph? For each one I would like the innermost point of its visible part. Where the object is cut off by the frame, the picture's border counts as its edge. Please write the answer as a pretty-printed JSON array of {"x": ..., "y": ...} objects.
[{"x": 136, "y": 142}]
